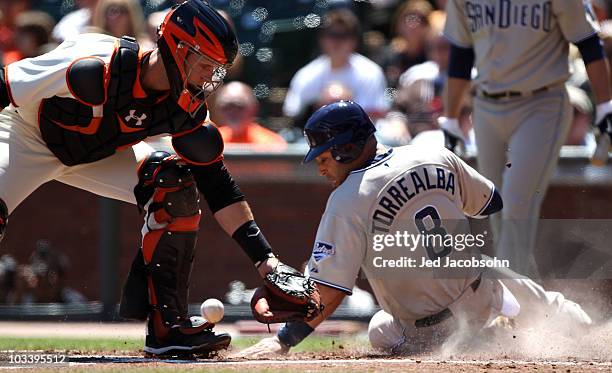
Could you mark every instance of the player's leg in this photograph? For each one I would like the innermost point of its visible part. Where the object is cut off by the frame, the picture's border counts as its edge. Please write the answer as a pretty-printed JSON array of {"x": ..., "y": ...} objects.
[
  {"x": 157, "y": 286},
  {"x": 537, "y": 305},
  {"x": 389, "y": 334},
  {"x": 168, "y": 195},
  {"x": 25, "y": 163},
  {"x": 533, "y": 153},
  {"x": 492, "y": 135},
  {"x": 385, "y": 332}
]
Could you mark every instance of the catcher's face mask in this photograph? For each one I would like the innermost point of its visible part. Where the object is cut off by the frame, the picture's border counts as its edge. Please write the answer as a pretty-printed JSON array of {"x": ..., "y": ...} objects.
[{"x": 203, "y": 76}]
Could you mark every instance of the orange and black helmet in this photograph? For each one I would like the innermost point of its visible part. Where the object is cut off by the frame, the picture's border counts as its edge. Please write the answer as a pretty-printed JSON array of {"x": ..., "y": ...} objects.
[{"x": 195, "y": 27}]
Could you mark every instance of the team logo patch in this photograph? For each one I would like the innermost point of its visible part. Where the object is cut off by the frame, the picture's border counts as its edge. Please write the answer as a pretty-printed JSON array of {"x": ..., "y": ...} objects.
[{"x": 322, "y": 250}]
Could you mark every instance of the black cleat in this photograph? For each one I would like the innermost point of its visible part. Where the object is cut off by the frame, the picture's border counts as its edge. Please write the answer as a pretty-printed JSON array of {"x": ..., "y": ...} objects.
[{"x": 185, "y": 341}]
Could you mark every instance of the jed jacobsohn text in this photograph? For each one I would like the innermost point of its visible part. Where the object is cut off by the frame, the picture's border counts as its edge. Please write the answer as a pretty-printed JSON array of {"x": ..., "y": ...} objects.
[
  {"x": 411, "y": 241},
  {"x": 444, "y": 262}
]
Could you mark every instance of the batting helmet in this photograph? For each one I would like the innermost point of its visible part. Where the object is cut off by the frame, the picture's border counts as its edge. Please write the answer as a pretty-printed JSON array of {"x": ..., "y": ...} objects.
[
  {"x": 335, "y": 125},
  {"x": 194, "y": 27}
]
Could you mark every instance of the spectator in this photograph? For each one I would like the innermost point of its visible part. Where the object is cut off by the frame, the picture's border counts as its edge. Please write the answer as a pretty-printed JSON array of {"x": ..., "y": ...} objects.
[
  {"x": 32, "y": 34},
  {"x": 338, "y": 39},
  {"x": 333, "y": 92},
  {"x": 153, "y": 21},
  {"x": 76, "y": 21},
  {"x": 45, "y": 276},
  {"x": 411, "y": 27},
  {"x": 413, "y": 118},
  {"x": 235, "y": 109},
  {"x": 119, "y": 18},
  {"x": 9, "y": 9},
  {"x": 436, "y": 66},
  {"x": 8, "y": 279}
]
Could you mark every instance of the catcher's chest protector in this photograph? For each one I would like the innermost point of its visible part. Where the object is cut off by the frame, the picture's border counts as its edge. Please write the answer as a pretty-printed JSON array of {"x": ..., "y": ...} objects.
[{"x": 105, "y": 115}]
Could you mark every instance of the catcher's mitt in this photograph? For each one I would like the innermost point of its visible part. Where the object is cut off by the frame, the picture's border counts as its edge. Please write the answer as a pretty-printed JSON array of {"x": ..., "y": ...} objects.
[{"x": 287, "y": 295}]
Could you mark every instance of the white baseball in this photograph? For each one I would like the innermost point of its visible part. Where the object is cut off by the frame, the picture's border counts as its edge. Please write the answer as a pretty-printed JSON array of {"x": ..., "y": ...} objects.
[{"x": 212, "y": 310}]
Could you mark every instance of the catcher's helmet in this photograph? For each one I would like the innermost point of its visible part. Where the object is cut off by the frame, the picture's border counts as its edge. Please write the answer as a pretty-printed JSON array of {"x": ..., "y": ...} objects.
[
  {"x": 335, "y": 125},
  {"x": 194, "y": 27}
]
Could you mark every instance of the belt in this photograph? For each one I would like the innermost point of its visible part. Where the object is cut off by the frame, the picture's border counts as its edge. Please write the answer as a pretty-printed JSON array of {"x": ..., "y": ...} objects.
[
  {"x": 509, "y": 94},
  {"x": 445, "y": 313}
]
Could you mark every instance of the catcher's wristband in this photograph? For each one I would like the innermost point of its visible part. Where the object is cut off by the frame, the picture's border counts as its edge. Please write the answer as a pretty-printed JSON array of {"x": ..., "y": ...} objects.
[
  {"x": 292, "y": 333},
  {"x": 253, "y": 242}
]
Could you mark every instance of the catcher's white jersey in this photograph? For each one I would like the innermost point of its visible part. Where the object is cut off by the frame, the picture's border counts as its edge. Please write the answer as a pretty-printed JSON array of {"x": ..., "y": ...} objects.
[
  {"x": 520, "y": 45},
  {"x": 410, "y": 189},
  {"x": 32, "y": 79}
]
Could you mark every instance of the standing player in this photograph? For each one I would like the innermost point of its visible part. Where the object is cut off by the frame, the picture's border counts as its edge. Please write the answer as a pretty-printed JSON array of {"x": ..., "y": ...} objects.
[
  {"x": 411, "y": 189},
  {"x": 522, "y": 112},
  {"x": 74, "y": 113}
]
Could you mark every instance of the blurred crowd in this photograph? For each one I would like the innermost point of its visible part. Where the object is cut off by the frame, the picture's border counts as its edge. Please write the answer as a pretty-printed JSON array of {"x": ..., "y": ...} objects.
[
  {"x": 42, "y": 279},
  {"x": 387, "y": 55}
]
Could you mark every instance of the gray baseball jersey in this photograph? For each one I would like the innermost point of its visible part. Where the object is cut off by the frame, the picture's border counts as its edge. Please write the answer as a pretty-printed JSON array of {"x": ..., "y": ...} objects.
[
  {"x": 520, "y": 45},
  {"x": 410, "y": 189}
]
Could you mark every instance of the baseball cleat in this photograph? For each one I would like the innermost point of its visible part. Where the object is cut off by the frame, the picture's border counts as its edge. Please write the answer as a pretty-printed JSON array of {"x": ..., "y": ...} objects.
[{"x": 185, "y": 341}]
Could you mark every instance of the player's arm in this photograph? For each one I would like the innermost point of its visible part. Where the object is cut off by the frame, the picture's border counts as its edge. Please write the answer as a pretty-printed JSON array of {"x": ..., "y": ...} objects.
[
  {"x": 337, "y": 256},
  {"x": 449, "y": 123},
  {"x": 461, "y": 61},
  {"x": 33, "y": 79},
  {"x": 579, "y": 26},
  {"x": 231, "y": 210},
  {"x": 599, "y": 77},
  {"x": 202, "y": 148},
  {"x": 292, "y": 333},
  {"x": 478, "y": 194},
  {"x": 494, "y": 205}
]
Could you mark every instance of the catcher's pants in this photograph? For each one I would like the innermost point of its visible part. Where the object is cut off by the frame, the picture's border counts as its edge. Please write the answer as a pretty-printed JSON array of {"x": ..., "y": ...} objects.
[
  {"x": 475, "y": 310},
  {"x": 518, "y": 143},
  {"x": 26, "y": 163}
]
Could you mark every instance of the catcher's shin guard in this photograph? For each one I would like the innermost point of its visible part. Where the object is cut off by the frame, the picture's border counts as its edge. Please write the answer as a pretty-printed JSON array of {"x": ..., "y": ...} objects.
[
  {"x": 157, "y": 285},
  {"x": 3, "y": 218}
]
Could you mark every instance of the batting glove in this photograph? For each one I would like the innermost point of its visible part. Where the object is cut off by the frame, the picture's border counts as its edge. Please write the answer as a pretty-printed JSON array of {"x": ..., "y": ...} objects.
[{"x": 453, "y": 136}]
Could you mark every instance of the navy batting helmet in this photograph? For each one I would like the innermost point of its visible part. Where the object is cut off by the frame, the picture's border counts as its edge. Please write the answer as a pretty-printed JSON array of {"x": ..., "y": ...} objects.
[{"x": 335, "y": 125}]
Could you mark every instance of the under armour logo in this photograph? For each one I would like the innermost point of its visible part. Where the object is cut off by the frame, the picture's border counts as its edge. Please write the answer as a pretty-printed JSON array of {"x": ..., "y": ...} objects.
[{"x": 133, "y": 116}]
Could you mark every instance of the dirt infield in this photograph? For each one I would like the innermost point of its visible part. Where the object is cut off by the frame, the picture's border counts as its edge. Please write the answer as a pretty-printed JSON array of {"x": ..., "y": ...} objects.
[
  {"x": 321, "y": 362},
  {"x": 522, "y": 352}
]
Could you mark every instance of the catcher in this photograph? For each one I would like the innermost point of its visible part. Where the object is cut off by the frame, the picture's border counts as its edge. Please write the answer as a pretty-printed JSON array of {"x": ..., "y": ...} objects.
[
  {"x": 417, "y": 191},
  {"x": 85, "y": 114}
]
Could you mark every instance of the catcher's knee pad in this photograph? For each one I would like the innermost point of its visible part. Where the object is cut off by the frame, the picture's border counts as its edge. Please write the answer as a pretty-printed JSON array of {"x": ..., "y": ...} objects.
[
  {"x": 3, "y": 218},
  {"x": 160, "y": 273}
]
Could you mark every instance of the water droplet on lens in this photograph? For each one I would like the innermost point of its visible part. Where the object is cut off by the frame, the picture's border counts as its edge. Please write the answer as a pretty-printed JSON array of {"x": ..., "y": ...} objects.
[
  {"x": 312, "y": 20},
  {"x": 264, "y": 54},
  {"x": 246, "y": 49},
  {"x": 260, "y": 14},
  {"x": 261, "y": 91}
]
